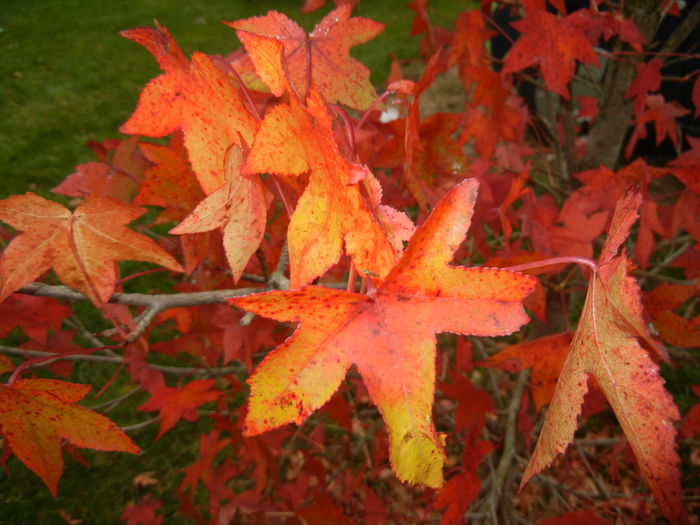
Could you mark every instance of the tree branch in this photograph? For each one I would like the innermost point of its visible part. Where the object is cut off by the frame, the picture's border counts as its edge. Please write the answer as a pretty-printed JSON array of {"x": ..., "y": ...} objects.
[{"x": 173, "y": 370}]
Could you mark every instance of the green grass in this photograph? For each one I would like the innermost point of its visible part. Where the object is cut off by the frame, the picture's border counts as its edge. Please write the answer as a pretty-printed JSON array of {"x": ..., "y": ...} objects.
[{"x": 67, "y": 76}]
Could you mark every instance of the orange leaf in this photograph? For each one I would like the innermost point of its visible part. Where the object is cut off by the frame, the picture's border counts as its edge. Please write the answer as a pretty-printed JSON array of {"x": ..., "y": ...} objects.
[
  {"x": 321, "y": 60},
  {"x": 118, "y": 179},
  {"x": 170, "y": 181},
  {"x": 606, "y": 347},
  {"x": 195, "y": 97},
  {"x": 233, "y": 207},
  {"x": 292, "y": 140},
  {"x": 81, "y": 247},
  {"x": 389, "y": 335},
  {"x": 673, "y": 328},
  {"x": 35, "y": 414}
]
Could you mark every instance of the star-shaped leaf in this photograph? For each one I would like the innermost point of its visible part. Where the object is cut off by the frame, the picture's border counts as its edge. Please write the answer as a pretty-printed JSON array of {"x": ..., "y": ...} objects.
[
  {"x": 322, "y": 59},
  {"x": 232, "y": 208},
  {"x": 196, "y": 97},
  {"x": 81, "y": 247},
  {"x": 389, "y": 335},
  {"x": 554, "y": 44},
  {"x": 35, "y": 414},
  {"x": 177, "y": 403}
]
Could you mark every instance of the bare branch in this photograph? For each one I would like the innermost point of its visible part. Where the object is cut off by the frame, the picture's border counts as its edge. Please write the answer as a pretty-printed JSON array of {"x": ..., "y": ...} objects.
[{"x": 173, "y": 370}]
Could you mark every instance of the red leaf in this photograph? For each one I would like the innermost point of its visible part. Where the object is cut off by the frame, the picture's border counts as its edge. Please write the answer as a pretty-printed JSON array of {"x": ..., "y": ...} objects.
[
  {"x": 691, "y": 422},
  {"x": 606, "y": 347},
  {"x": 472, "y": 403},
  {"x": 118, "y": 180},
  {"x": 143, "y": 512},
  {"x": 177, "y": 403},
  {"x": 463, "y": 488},
  {"x": 648, "y": 79},
  {"x": 34, "y": 314},
  {"x": 389, "y": 335},
  {"x": 663, "y": 114},
  {"x": 545, "y": 356},
  {"x": 35, "y": 414},
  {"x": 554, "y": 44},
  {"x": 581, "y": 517},
  {"x": 686, "y": 167},
  {"x": 673, "y": 328}
]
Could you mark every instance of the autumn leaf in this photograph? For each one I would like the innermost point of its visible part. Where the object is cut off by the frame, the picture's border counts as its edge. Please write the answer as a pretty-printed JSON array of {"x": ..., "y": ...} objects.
[
  {"x": 554, "y": 44},
  {"x": 143, "y": 512},
  {"x": 647, "y": 80},
  {"x": 119, "y": 179},
  {"x": 389, "y": 335},
  {"x": 673, "y": 328},
  {"x": 35, "y": 414},
  {"x": 232, "y": 207},
  {"x": 468, "y": 44},
  {"x": 81, "y": 247},
  {"x": 691, "y": 421},
  {"x": 203, "y": 467},
  {"x": 193, "y": 96},
  {"x": 545, "y": 356},
  {"x": 332, "y": 210},
  {"x": 686, "y": 167},
  {"x": 36, "y": 315},
  {"x": 493, "y": 113},
  {"x": 581, "y": 517},
  {"x": 322, "y": 59},
  {"x": 169, "y": 182},
  {"x": 413, "y": 148},
  {"x": 606, "y": 347},
  {"x": 463, "y": 488},
  {"x": 180, "y": 403},
  {"x": 472, "y": 403},
  {"x": 663, "y": 114}
]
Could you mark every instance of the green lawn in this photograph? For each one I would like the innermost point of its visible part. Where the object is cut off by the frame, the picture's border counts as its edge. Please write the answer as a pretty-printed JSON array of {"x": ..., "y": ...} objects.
[{"x": 67, "y": 76}]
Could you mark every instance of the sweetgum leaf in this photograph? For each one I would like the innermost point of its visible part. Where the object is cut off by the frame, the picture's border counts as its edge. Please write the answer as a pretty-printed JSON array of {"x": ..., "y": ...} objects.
[
  {"x": 545, "y": 356},
  {"x": 177, "y": 403},
  {"x": 606, "y": 347},
  {"x": 35, "y": 414},
  {"x": 332, "y": 210},
  {"x": 233, "y": 208},
  {"x": 554, "y": 44},
  {"x": 322, "y": 59},
  {"x": 193, "y": 96},
  {"x": 389, "y": 335},
  {"x": 81, "y": 247}
]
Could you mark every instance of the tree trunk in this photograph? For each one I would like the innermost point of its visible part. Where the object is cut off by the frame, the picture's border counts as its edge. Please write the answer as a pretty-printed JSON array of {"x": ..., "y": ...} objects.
[{"x": 608, "y": 131}]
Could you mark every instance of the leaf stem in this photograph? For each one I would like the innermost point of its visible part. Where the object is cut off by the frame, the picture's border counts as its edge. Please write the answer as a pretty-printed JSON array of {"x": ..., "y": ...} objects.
[
  {"x": 349, "y": 132},
  {"x": 371, "y": 107},
  {"x": 569, "y": 259}
]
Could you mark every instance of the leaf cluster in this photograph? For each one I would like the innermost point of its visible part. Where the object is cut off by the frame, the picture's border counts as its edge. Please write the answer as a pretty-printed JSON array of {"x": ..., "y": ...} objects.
[{"x": 290, "y": 192}]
